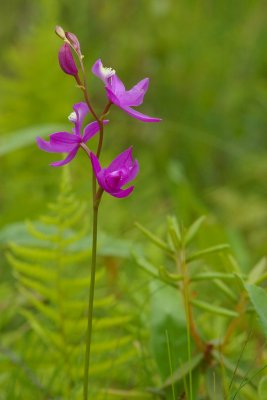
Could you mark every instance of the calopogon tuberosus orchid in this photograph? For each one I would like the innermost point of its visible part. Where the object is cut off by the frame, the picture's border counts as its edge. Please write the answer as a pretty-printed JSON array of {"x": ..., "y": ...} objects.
[
  {"x": 65, "y": 142},
  {"x": 118, "y": 95},
  {"x": 121, "y": 171}
]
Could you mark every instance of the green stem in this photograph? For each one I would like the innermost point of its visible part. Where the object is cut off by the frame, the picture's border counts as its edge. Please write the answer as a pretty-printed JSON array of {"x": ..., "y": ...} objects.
[
  {"x": 190, "y": 329},
  {"x": 82, "y": 86},
  {"x": 91, "y": 295},
  {"x": 190, "y": 324}
]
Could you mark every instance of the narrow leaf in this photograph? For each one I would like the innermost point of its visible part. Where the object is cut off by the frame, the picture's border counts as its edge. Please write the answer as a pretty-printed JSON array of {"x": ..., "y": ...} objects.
[
  {"x": 31, "y": 270},
  {"x": 213, "y": 309},
  {"x": 209, "y": 250},
  {"x": 258, "y": 297},
  {"x": 184, "y": 370},
  {"x": 225, "y": 289},
  {"x": 155, "y": 239},
  {"x": 262, "y": 389},
  {"x": 257, "y": 271},
  {"x": 193, "y": 229},
  {"x": 205, "y": 276},
  {"x": 25, "y": 137},
  {"x": 174, "y": 232}
]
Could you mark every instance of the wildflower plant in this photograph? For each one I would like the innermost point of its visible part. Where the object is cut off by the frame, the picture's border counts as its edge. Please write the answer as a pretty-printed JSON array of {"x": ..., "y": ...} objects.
[{"x": 121, "y": 171}]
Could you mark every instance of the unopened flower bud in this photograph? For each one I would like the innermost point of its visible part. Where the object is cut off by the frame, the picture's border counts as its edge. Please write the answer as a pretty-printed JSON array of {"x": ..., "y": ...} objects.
[
  {"x": 60, "y": 32},
  {"x": 66, "y": 60},
  {"x": 74, "y": 42}
]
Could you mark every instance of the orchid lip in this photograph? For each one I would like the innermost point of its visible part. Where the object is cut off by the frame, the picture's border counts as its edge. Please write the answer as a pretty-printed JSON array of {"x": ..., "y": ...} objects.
[
  {"x": 107, "y": 72},
  {"x": 72, "y": 117}
]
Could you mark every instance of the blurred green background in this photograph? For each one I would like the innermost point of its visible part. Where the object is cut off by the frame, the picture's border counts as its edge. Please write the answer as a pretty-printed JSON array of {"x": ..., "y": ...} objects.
[{"x": 207, "y": 63}]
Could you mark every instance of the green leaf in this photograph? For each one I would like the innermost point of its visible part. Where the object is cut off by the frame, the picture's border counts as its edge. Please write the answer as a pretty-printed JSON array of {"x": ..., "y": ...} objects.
[
  {"x": 31, "y": 270},
  {"x": 36, "y": 325},
  {"x": 45, "y": 309},
  {"x": 214, "y": 383},
  {"x": 108, "y": 364},
  {"x": 73, "y": 308},
  {"x": 146, "y": 266},
  {"x": 99, "y": 324},
  {"x": 183, "y": 370},
  {"x": 226, "y": 290},
  {"x": 262, "y": 388},
  {"x": 168, "y": 277},
  {"x": 193, "y": 229},
  {"x": 205, "y": 276},
  {"x": 39, "y": 288},
  {"x": 167, "y": 316},
  {"x": 155, "y": 239},
  {"x": 229, "y": 365},
  {"x": 257, "y": 271},
  {"x": 224, "y": 312},
  {"x": 103, "y": 346},
  {"x": 25, "y": 137},
  {"x": 174, "y": 232},
  {"x": 124, "y": 394},
  {"x": 209, "y": 250},
  {"x": 32, "y": 253},
  {"x": 258, "y": 298}
]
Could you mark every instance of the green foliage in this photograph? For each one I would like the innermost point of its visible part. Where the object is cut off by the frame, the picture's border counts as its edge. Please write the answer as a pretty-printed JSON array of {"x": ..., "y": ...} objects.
[
  {"x": 216, "y": 317},
  {"x": 167, "y": 323},
  {"x": 258, "y": 297},
  {"x": 207, "y": 66},
  {"x": 17, "y": 140},
  {"x": 52, "y": 279}
]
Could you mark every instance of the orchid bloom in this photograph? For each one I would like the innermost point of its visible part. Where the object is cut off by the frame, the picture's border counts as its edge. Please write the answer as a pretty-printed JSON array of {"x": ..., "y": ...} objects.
[
  {"x": 121, "y": 171},
  {"x": 118, "y": 95},
  {"x": 65, "y": 142}
]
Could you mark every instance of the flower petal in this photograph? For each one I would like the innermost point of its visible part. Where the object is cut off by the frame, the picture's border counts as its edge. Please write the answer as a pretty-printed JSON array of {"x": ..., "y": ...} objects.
[
  {"x": 46, "y": 146},
  {"x": 69, "y": 157},
  {"x": 81, "y": 110},
  {"x": 95, "y": 164},
  {"x": 65, "y": 139},
  {"x": 101, "y": 179},
  {"x": 122, "y": 193},
  {"x": 66, "y": 60},
  {"x": 138, "y": 115},
  {"x": 102, "y": 72},
  {"x": 97, "y": 70},
  {"x": 74, "y": 41},
  {"x": 91, "y": 129},
  {"x": 135, "y": 96},
  {"x": 53, "y": 147},
  {"x": 112, "y": 97},
  {"x": 132, "y": 172},
  {"x": 123, "y": 160},
  {"x": 116, "y": 85}
]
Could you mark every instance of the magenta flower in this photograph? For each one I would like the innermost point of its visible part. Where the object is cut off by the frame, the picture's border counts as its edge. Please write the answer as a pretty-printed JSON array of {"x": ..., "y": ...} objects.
[
  {"x": 65, "y": 142},
  {"x": 66, "y": 60},
  {"x": 118, "y": 95},
  {"x": 121, "y": 171}
]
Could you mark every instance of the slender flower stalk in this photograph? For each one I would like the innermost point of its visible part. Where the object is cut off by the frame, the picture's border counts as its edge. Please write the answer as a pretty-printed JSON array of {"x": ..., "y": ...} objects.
[{"x": 88, "y": 339}]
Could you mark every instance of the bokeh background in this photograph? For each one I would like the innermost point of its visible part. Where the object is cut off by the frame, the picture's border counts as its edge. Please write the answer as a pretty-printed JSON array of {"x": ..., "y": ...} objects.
[{"x": 207, "y": 63}]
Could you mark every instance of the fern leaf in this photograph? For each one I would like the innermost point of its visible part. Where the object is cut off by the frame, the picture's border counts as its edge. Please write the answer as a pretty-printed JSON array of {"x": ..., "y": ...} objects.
[{"x": 32, "y": 270}]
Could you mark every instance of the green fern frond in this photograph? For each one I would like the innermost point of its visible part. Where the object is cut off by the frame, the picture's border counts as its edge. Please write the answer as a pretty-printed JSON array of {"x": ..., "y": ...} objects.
[{"x": 53, "y": 278}]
